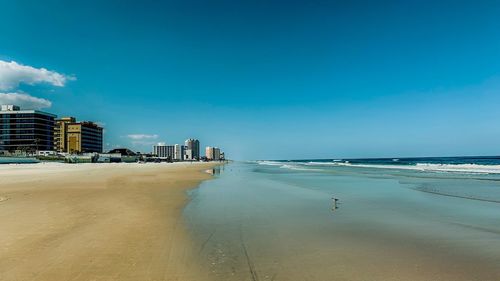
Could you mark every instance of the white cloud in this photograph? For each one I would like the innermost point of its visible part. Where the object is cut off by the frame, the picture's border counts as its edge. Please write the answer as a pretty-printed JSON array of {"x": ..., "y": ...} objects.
[
  {"x": 143, "y": 143},
  {"x": 24, "y": 100},
  {"x": 142, "y": 137},
  {"x": 12, "y": 74}
]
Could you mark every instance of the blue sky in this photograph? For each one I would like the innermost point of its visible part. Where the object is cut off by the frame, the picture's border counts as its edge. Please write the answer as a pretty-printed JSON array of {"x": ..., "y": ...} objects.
[{"x": 269, "y": 79}]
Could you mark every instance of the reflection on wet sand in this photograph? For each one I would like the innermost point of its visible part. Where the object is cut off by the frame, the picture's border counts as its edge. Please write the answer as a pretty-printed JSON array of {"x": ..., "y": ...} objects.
[
  {"x": 216, "y": 171},
  {"x": 265, "y": 223}
]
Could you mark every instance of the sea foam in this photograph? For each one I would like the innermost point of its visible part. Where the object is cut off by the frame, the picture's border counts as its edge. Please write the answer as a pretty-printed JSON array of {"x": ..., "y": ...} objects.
[{"x": 431, "y": 167}]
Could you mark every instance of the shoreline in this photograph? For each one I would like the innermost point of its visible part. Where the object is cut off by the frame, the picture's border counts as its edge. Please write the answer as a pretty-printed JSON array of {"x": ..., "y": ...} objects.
[
  {"x": 98, "y": 222},
  {"x": 383, "y": 229}
]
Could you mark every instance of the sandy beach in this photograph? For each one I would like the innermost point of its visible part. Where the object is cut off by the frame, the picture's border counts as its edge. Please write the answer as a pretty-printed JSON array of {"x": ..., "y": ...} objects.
[{"x": 96, "y": 221}]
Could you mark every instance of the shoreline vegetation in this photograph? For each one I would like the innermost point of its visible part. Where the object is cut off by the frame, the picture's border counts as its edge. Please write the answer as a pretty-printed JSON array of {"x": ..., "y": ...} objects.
[{"x": 97, "y": 222}]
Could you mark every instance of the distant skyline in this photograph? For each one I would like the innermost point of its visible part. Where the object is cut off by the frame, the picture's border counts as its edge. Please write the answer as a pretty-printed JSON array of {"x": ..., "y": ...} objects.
[{"x": 264, "y": 79}]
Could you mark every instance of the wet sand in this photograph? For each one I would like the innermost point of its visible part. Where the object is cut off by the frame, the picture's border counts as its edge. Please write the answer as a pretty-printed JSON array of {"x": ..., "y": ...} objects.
[
  {"x": 260, "y": 223},
  {"x": 97, "y": 221}
]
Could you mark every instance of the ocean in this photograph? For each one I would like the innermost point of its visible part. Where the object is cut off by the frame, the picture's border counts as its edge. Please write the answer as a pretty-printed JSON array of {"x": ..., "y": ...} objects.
[
  {"x": 350, "y": 219},
  {"x": 469, "y": 164}
]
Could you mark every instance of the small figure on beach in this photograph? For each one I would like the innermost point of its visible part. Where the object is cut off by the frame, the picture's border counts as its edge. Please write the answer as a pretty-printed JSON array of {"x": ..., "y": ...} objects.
[{"x": 335, "y": 203}]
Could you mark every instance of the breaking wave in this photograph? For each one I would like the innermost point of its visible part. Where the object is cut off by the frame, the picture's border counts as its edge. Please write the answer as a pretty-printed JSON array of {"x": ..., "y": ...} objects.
[
  {"x": 431, "y": 167},
  {"x": 425, "y": 167}
]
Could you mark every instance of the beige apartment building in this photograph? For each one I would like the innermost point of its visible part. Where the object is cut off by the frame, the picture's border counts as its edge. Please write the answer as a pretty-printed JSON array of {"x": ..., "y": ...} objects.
[
  {"x": 77, "y": 137},
  {"x": 213, "y": 153}
]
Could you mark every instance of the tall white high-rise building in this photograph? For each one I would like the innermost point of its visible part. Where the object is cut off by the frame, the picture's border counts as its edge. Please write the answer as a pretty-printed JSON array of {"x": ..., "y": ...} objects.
[{"x": 178, "y": 152}]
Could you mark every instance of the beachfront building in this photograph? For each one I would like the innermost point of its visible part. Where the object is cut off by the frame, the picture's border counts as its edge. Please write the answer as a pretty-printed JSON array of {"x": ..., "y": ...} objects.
[
  {"x": 216, "y": 154},
  {"x": 25, "y": 130},
  {"x": 84, "y": 137},
  {"x": 120, "y": 155},
  {"x": 212, "y": 153},
  {"x": 188, "y": 154},
  {"x": 178, "y": 152},
  {"x": 164, "y": 151},
  {"x": 209, "y": 153},
  {"x": 77, "y": 137},
  {"x": 60, "y": 130},
  {"x": 194, "y": 146}
]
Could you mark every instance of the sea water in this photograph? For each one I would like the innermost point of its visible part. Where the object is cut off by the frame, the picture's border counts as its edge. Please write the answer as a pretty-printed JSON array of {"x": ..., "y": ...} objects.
[{"x": 384, "y": 219}]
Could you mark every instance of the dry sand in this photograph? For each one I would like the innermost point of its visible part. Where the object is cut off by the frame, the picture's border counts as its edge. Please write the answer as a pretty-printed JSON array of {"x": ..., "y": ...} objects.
[{"x": 97, "y": 221}]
